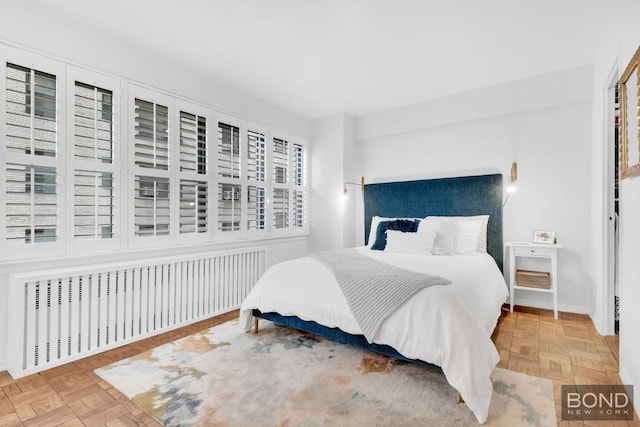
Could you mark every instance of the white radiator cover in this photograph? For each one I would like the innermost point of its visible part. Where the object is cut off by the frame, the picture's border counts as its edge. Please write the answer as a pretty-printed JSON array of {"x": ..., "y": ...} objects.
[{"x": 63, "y": 315}]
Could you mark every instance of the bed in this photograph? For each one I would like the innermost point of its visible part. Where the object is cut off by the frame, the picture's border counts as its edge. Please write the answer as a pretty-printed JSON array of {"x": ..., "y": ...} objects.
[{"x": 447, "y": 327}]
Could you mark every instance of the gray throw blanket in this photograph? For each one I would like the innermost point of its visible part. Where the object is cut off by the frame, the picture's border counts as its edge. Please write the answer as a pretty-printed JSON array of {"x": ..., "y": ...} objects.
[{"x": 373, "y": 289}]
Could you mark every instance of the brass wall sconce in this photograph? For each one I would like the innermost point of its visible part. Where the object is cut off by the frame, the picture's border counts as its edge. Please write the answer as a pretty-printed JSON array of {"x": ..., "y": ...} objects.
[{"x": 361, "y": 185}]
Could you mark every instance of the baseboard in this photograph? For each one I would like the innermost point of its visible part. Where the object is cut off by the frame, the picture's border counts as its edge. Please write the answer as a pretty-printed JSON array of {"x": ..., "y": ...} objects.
[
  {"x": 626, "y": 379},
  {"x": 3, "y": 364},
  {"x": 549, "y": 306}
]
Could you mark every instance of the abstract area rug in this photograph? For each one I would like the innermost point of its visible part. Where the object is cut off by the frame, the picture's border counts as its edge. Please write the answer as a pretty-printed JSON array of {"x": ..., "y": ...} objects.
[{"x": 283, "y": 377}]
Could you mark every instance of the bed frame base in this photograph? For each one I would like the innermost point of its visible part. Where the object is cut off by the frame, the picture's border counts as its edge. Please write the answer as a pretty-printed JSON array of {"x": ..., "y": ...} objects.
[
  {"x": 337, "y": 335},
  {"x": 334, "y": 334}
]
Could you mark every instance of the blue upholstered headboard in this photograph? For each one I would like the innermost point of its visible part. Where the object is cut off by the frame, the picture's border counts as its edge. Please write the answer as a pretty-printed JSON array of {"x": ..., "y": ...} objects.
[{"x": 460, "y": 196}]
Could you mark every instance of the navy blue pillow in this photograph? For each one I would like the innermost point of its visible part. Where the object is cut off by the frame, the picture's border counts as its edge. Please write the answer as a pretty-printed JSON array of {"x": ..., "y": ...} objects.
[{"x": 404, "y": 225}]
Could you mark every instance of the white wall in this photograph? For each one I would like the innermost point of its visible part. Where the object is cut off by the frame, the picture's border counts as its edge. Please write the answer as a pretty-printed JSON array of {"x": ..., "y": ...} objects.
[
  {"x": 475, "y": 131},
  {"x": 615, "y": 52},
  {"x": 333, "y": 147},
  {"x": 77, "y": 42}
]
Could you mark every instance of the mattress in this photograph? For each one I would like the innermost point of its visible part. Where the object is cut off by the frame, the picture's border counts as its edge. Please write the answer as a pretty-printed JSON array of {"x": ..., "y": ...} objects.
[{"x": 449, "y": 326}]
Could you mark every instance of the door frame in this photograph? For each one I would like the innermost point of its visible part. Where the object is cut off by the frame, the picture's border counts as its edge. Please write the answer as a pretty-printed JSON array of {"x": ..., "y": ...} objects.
[{"x": 607, "y": 296}]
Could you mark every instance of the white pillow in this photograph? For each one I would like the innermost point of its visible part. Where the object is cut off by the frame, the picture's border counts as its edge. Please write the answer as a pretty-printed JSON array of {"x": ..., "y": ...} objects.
[
  {"x": 443, "y": 232},
  {"x": 465, "y": 238},
  {"x": 409, "y": 243},
  {"x": 484, "y": 220}
]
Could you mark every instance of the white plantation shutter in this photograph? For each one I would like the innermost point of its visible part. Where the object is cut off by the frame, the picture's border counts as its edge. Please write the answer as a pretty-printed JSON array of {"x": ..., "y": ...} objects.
[
  {"x": 194, "y": 173},
  {"x": 299, "y": 208},
  {"x": 289, "y": 186},
  {"x": 280, "y": 208},
  {"x": 151, "y": 135},
  {"x": 230, "y": 188},
  {"x": 280, "y": 192},
  {"x": 151, "y": 208},
  {"x": 93, "y": 123},
  {"x": 229, "y": 207},
  {"x": 256, "y": 208},
  {"x": 31, "y": 203},
  {"x": 30, "y": 149},
  {"x": 228, "y": 151},
  {"x": 93, "y": 205},
  {"x": 256, "y": 178},
  {"x": 155, "y": 174},
  {"x": 299, "y": 185},
  {"x": 193, "y": 143},
  {"x": 256, "y": 156},
  {"x": 187, "y": 178},
  {"x": 280, "y": 161},
  {"x": 31, "y": 111},
  {"x": 93, "y": 147},
  {"x": 193, "y": 206}
]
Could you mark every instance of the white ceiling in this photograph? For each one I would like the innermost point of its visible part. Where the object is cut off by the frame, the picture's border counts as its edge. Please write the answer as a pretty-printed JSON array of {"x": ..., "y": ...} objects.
[{"x": 321, "y": 57}]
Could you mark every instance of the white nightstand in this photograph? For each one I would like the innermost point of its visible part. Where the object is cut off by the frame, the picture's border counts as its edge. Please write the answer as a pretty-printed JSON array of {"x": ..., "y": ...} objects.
[{"x": 533, "y": 250}]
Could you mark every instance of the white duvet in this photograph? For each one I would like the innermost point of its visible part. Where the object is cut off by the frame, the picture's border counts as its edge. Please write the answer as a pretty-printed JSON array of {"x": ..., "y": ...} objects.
[{"x": 449, "y": 326}]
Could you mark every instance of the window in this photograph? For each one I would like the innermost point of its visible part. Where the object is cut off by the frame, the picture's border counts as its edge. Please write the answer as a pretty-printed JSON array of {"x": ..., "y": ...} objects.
[
  {"x": 31, "y": 202},
  {"x": 93, "y": 145},
  {"x": 256, "y": 177},
  {"x": 300, "y": 186},
  {"x": 280, "y": 161},
  {"x": 228, "y": 151},
  {"x": 93, "y": 205},
  {"x": 31, "y": 111},
  {"x": 151, "y": 135},
  {"x": 151, "y": 206},
  {"x": 229, "y": 187},
  {"x": 151, "y": 173},
  {"x": 280, "y": 208},
  {"x": 65, "y": 189},
  {"x": 289, "y": 201},
  {"x": 31, "y": 169},
  {"x": 194, "y": 186}
]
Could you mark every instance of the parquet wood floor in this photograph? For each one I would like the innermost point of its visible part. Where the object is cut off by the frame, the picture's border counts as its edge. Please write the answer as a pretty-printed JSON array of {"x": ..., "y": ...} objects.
[{"x": 567, "y": 351}]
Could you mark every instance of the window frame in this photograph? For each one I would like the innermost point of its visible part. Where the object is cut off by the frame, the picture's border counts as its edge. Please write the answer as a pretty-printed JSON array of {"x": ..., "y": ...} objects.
[
  {"x": 217, "y": 179},
  {"x": 76, "y": 74},
  {"x": 207, "y": 113},
  {"x": 291, "y": 186},
  {"x": 135, "y": 241}
]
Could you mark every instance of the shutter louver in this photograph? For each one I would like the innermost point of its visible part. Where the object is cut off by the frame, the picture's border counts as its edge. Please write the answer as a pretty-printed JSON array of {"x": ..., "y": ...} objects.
[
  {"x": 193, "y": 139},
  {"x": 31, "y": 111},
  {"x": 151, "y": 135},
  {"x": 93, "y": 123},
  {"x": 256, "y": 156},
  {"x": 280, "y": 208},
  {"x": 229, "y": 207},
  {"x": 300, "y": 182},
  {"x": 256, "y": 208},
  {"x": 31, "y": 203},
  {"x": 193, "y": 206},
  {"x": 151, "y": 209},
  {"x": 228, "y": 151},
  {"x": 299, "y": 209},
  {"x": 280, "y": 161},
  {"x": 93, "y": 205}
]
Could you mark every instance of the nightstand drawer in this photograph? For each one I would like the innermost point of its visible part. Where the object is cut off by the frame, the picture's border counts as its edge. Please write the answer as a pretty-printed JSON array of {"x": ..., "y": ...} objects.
[{"x": 533, "y": 251}]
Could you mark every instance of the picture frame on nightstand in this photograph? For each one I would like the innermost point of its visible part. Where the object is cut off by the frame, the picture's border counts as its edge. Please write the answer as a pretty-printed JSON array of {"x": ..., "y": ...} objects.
[{"x": 544, "y": 237}]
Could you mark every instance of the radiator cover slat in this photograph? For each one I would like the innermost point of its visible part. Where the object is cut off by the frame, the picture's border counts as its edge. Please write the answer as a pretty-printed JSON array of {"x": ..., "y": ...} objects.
[{"x": 59, "y": 316}]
